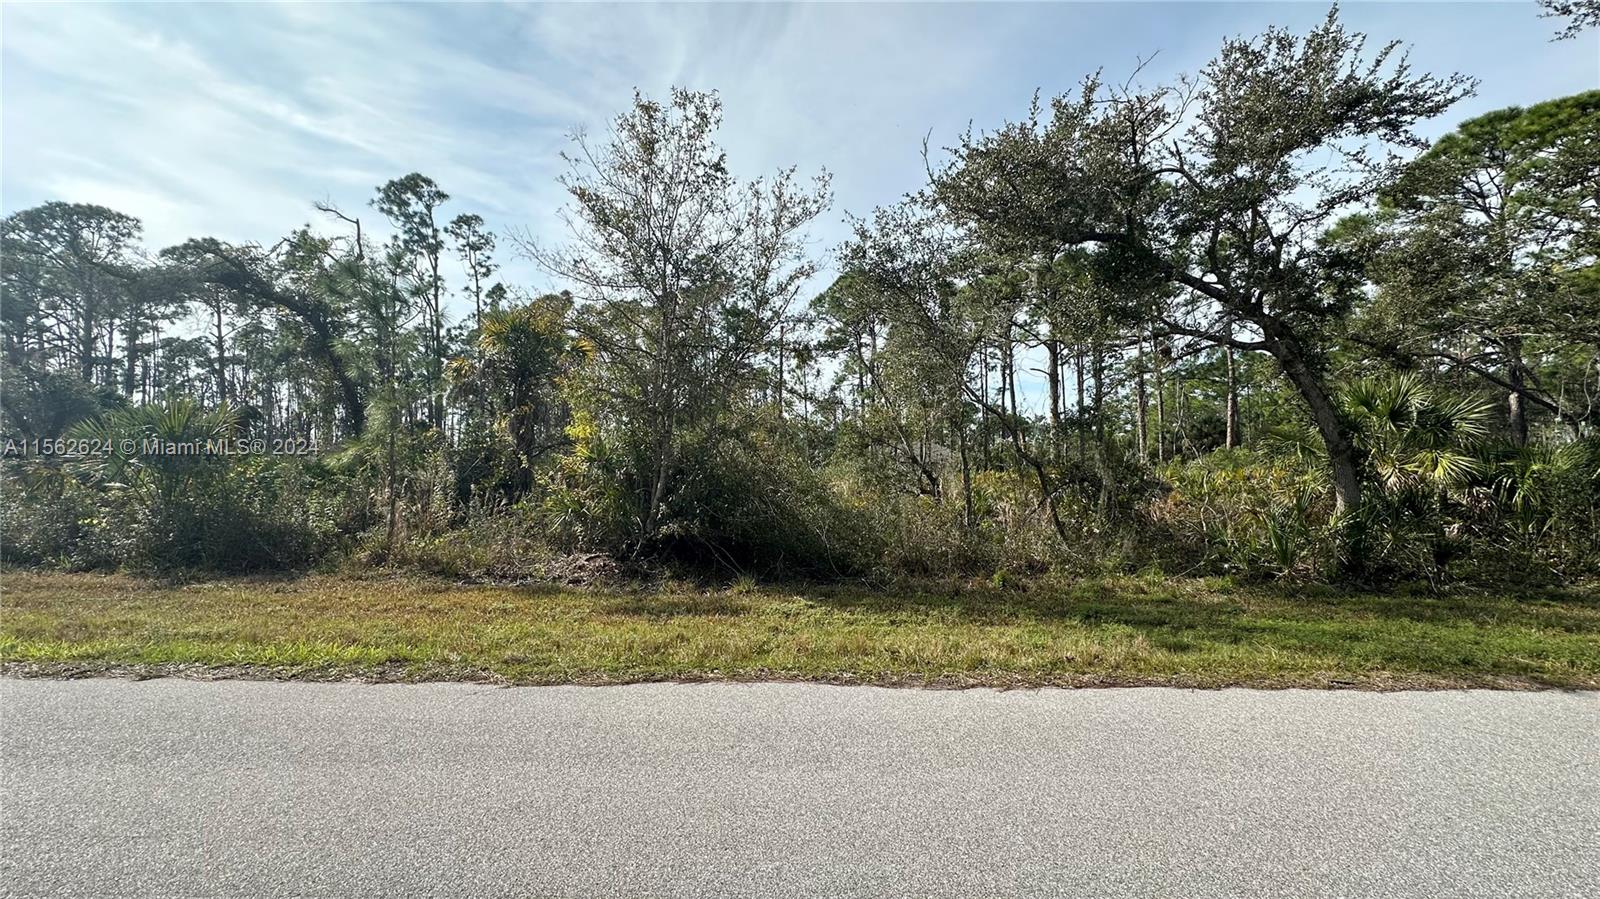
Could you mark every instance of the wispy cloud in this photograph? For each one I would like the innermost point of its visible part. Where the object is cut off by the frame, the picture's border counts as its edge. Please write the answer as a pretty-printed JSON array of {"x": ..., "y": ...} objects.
[{"x": 231, "y": 119}]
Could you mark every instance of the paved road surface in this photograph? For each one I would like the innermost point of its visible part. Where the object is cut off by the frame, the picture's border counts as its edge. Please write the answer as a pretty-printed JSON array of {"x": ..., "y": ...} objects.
[{"x": 179, "y": 788}]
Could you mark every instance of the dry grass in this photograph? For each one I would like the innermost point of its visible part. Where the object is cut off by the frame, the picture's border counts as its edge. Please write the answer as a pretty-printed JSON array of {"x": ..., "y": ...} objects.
[{"x": 1123, "y": 631}]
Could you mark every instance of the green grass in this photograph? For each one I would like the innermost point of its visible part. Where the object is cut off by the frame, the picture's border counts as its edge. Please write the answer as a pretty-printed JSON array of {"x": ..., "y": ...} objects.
[{"x": 1115, "y": 631}]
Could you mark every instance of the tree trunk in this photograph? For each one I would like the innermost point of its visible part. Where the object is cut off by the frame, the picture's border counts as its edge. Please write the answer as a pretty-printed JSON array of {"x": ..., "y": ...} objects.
[
  {"x": 658, "y": 490},
  {"x": 1231, "y": 413},
  {"x": 969, "y": 517},
  {"x": 86, "y": 344},
  {"x": 477, "y": 295},
  {"x": 130, "y": 353},
  {"x": 1518, "y": 415},
  {"x": 780, "y": 371},
  {"x": 1101, "y": 463},
  {"x": 1144, "y": 409},
  {"x": 861, "y": 378},
  {"x": 393, "y": 499},
  {"x": 1099, "y": 393},
  {"x": 436, "y": 363},
  {"x": 1001, "y": 353},
  {"x": 1516, "y": 410},
  {"x": 983, "y": 419},
  {"x": 436, "y": 371},
  {"x": 222, "y": 354},
  {"x": 1330, "y": 424},
  {"x": 1011, "y": 368},
  {"x": 1054, "y": 348},
  {"x": 1161, "y": 405},
  {"x": 1077, "y": 365},
  {"x": 1180, "y": 405}
]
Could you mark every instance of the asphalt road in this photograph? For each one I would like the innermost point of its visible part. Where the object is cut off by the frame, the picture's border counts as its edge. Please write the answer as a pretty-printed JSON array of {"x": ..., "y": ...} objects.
[{"x": 182, "y": 788}]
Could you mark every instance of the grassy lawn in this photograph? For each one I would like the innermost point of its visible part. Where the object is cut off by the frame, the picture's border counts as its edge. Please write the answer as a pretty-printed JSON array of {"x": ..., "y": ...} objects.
[{"x": 1116, "y": 631}]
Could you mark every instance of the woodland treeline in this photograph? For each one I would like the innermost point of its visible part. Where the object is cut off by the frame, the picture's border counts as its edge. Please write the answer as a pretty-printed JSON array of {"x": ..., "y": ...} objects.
[{"x": 1245, "y": 322}]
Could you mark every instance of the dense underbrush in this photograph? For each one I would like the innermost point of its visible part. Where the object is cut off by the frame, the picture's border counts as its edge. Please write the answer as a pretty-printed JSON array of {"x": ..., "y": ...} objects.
[{"x": 761, "y": 510}]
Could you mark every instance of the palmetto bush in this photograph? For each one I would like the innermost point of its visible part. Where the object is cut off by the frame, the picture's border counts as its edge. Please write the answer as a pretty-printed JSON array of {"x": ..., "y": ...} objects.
[
  {"x": 171, "y": 510},
  {"x": 1542, "y": 503},
  {"x": 1424, "y": 460},
  {"x": 48, "y": 518},
  {"x": 1424, "y": 451},
  {"x": 153, "y": 480},
  {"x": 1415, "y": 441},
  {"x": 1239, "y": 511},
  {"x": 1447, "y": 495}
]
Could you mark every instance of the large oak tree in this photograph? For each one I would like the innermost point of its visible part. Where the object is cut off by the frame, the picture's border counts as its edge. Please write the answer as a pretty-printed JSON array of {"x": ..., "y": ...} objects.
[{"x": 1221, "y": 185}]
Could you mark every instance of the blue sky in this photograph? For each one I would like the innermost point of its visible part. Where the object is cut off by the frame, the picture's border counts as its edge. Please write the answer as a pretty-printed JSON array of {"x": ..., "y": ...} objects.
[{"x": 230, "y": 120}]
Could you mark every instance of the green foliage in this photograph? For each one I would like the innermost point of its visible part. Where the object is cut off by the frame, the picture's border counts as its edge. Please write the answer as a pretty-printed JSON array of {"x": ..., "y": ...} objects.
[
  {"x": 1542, "y": 503},
  {"x": 40, "y": 403},
  {"x": 1449, "y": 502},
  {"x": 496, "y": 543},
  {"x": 1246, "y": 513},
  {"x": 510, "y": 378},
  {"x": 1486, "y": 258},
  {"x": 1269, "y": 332},
  {"x": 685, "y": 277},
  {"x": 746, "y": 501},
  {"x": 50, "y": 519},
  {"x": 159, "y": 499}
]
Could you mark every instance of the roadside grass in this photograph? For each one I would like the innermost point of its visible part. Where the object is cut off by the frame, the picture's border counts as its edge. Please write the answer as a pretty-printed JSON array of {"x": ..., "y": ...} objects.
[{"x": 1193, "y": 632}]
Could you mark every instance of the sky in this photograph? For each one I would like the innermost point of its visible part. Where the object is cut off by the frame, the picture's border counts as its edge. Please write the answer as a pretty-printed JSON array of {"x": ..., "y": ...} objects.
[{"x": 231, "y": 120}]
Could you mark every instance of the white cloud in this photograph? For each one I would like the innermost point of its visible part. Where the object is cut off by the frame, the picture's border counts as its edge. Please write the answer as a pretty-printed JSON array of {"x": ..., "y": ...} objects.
[{"x": 232, "y": 119}]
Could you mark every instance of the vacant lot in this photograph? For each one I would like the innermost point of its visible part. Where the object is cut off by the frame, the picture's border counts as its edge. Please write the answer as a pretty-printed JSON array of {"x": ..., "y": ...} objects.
[{"x": 1121, "y": 631}]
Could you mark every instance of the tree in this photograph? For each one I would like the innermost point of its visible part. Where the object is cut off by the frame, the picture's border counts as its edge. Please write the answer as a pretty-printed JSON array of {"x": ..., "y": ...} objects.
[
  {"x": 1422, "y": 451},
  {"x": 411, "y": 205},
  {"x": 902, "y": 389},
  {"x": 1487, "y": 254},
  {"x": 520, "y": 351},
  {"x": 1580, "y": 15},
  {"x": 1220, "y": 186},
  {"x": 682, "y": 275},
  {"x": 943, "y": 301},
  {"x": 151, "y": 298},
  {"x": 475, "y": 246},
  {"x": 158, "y": 480},
  {"x": 66, "y": 267},
  {"x": 298, "y": 277},
  {"x": 219, "y": 307}
]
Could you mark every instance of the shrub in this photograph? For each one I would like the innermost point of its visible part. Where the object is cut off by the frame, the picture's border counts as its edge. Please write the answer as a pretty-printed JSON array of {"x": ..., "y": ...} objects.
[
  {"x": 744, "y": 499},
  {"x": 50, "y": 519},
  {"x": 135, "y": 507},
  {"x": 498, "y": 543},
  {"x": 1237, "y": 511}
]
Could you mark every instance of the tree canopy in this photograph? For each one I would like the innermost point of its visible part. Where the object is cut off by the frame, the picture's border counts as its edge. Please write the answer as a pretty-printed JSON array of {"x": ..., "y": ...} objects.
[{"x": 1246, "y": 321}]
